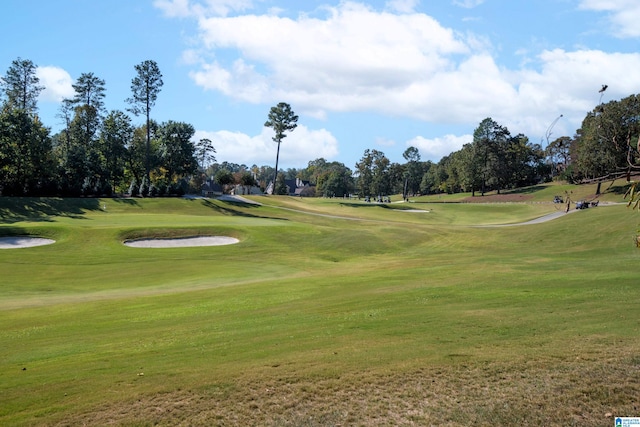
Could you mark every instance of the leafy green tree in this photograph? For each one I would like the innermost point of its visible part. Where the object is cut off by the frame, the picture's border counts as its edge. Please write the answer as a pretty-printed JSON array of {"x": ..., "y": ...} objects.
[
  {"x": 372, "y": 174},
  {"x": 205, "y": 153},
  {"x": 495, "y": 160},
  {"x": 247, "y": 181},
  {"x": 26, "y": 156},
  {"x": 224, "y": 177},
  {"x": 470, "y": 168},
  {"x": 85, "y": 125},
  {"x": 620, "y": 124},
  {"x": 525, "y": 163},
  {"x": 314, "y": 169},
  {"x": 334, "y": 180},
  {"x": 145, "y": 87},
  {"x": 280, "y": 185},
  {"x": 364, "y": 174},
  {"x": 291, "y": 173},
  {"x": 281, "y": 119},
  {"x": 559, "y": 153},
  {"x": 490, "y": 140},
  {"x": 397, "y": 176},
  {"x": 381, "y": 183},
  {"x": 263, "y": 175},
  {"x": 438, "y": 175},
  {"x": 413, "y": 171},
  {"x": 116, "y": 135},
  {"x": 25, "y": 144},
  {"x": 66, "y": 115},
  {"x": 83, "y": 168},
  {"x": 89, "y": 91},
  {"x": 453, "y": 169},
  {"x": 606, "y": 142},
  {"x": 595, "y": 156},
  {"x": 21, "y": 86},
  {"x": 428, "y": 184},
  {"x": 136, "y": 154},
  {"x": 177, "y": 152},
  {"x": 89, "y": 103}
]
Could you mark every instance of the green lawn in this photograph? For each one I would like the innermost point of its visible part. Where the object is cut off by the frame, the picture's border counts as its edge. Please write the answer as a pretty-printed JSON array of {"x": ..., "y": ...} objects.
[{"x": 328, "y": 312}]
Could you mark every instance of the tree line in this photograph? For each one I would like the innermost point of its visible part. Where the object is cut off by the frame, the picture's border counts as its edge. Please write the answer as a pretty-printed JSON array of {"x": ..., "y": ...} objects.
[
  {"x": 102, "y": 153},
  {"x": 98, "y": 152},
  {"x": 606, "y": 146}
]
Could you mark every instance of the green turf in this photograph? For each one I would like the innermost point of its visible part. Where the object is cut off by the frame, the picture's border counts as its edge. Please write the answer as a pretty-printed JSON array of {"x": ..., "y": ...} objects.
[{"x": 358, "y": 314}]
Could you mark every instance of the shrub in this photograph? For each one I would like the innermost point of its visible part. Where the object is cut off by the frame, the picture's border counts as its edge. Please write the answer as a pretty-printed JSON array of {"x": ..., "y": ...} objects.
[
  {"x": 134, "y": 190},
  {"x": 144, "y": 187}
]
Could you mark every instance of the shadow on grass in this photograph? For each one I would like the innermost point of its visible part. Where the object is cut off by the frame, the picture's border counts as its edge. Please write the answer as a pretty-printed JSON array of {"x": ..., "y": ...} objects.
[
  {"x": 526, "y": 190},
  {"x": 366, "y": 205},
  {"x": 12, "y": 231},
  {"x": 619, "y": 190},
  {"x": 126, "y": 201},
  {"x": 16, "y": 209},
  {"x": 234, "y": 208}
]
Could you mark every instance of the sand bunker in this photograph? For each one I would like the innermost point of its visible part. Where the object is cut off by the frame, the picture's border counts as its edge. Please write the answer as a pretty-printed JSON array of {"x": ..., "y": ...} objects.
[
  {"x": 23, "y": 242},
  {"x": 185, "y": 242}
]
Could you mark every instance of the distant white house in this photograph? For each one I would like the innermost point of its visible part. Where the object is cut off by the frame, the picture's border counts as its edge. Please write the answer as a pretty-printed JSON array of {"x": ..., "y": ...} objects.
[
  {"x": 295, "y": 187},
  {"x": 213, "y": 189},
  {"x": 241, "y": 190}
]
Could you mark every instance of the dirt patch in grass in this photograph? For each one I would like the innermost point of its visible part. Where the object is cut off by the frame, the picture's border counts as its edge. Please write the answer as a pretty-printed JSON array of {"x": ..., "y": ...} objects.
[
  {"x": 528, "y": 393},
  {"x": 498, "y": 198}
]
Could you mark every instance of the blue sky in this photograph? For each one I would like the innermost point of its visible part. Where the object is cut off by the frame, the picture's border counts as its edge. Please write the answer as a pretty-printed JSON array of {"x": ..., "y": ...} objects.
[{"x": 381, "y": 75}]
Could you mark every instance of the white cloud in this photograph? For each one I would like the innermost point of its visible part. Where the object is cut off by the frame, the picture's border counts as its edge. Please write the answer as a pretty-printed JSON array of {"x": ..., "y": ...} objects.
[
  {"x": 297, "y": 148},
  {"x": 190, "y": 57},
  {"x": 527, "y": 101},
  {"x": 568, "y": 84},
  {"x": 624, "y": 15},
  {"x": 436, "y": 148},
  {"x": 57, "y": 83},
  {"x": 358, "y": 59},
  {"x": 174, "y": 8},
  {"x": 241, "y": 81}
]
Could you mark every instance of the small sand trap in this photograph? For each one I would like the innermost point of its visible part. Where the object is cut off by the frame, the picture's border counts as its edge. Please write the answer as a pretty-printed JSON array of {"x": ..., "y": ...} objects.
[
  {"x": 23, "y": 242},
  {"x": 186, "y": 242},
  {"x": 414, "y": 210}
]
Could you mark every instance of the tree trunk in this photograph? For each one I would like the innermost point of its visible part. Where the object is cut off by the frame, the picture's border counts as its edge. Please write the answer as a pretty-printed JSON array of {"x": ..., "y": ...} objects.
[
  {"x": 275, "y": 176},
  {"x": 148, "y": 148}
]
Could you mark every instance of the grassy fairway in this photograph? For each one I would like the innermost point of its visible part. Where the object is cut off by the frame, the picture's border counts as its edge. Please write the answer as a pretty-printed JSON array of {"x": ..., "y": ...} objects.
[{"x": 328, "y": 312}]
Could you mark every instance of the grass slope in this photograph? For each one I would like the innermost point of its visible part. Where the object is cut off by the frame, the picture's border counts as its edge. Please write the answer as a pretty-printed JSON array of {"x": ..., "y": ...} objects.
[{"x": 326, "y": 313}]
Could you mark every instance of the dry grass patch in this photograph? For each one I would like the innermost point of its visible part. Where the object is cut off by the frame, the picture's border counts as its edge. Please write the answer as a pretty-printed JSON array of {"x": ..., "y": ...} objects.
[{"x": 585, "y": 392}]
